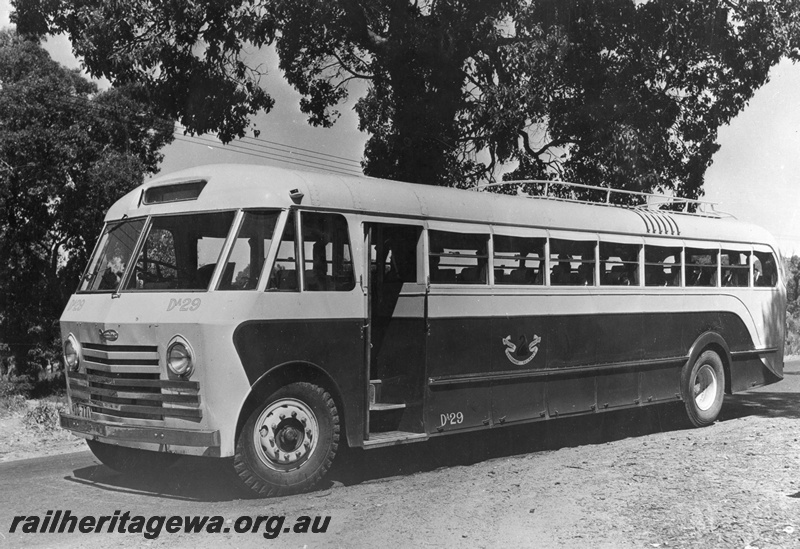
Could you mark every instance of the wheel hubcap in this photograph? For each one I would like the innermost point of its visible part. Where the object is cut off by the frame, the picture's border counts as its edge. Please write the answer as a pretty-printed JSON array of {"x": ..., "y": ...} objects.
[
  {"x": 705, "y": 387},
  {"x": 286, "y": 434}
]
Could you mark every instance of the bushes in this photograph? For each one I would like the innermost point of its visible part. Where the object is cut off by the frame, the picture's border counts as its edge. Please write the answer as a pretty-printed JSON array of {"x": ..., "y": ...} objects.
[
  {"x": 15, "y": 386},
  {"x": 44, "y": 416},
  {"x": 12, "y": 404},
  {"x": 51, "y": 384},
  {"x": 792, "y": 271},
  {"x": 792, "y": 342},
  {"x": 15, "y": 391}
]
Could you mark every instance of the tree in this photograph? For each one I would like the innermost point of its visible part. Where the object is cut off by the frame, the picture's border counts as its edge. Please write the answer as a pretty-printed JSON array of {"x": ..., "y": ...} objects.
[
  {"x": 67, "y": 152},
  {"x": 610, "y": 92},
  {"x": 792, "y": 270}
]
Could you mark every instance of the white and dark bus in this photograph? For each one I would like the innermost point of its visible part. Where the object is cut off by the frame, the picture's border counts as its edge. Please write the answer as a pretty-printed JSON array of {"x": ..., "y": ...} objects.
[{"x": 271, "y": 315}]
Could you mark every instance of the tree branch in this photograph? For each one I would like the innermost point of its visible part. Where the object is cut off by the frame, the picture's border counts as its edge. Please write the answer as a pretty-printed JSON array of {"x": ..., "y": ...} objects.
[
  {"x": 526, "y": 144},
  {"x": 348, "y": 69},
  {"x": 358, "y": 20}
]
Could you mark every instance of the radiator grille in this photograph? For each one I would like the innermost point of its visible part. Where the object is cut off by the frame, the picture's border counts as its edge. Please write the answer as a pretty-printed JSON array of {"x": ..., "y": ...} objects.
[{"x": 125, "y": 381}]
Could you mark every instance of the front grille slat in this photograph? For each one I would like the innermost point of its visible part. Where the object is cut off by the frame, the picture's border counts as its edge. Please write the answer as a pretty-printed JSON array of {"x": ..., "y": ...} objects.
[
  {"x": 179, "y": 385},
  {"x": 130, "y": 410},
  {"x": 111, "y": 357},
  {"x": 119, "y": 368},
  {"x": 83, "y": 390},
  {"x": 124, "y": 381}
]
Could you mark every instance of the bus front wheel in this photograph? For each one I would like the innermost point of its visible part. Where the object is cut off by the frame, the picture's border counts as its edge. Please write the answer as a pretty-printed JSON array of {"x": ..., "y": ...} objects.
[
  {"x": 130, "y": 460},
  {"x": 703, "y": 388},
  {"x": 288, "y": 443}
]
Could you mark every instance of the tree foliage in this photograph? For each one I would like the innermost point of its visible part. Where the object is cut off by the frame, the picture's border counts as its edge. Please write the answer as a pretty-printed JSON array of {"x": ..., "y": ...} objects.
[
  {"x": 792, "y": 270},
  {"x": 67, "y": 152},
  {"x": 609, "y": 92}
]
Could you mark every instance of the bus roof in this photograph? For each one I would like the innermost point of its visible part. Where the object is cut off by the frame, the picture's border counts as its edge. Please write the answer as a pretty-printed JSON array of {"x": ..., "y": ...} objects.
[{"x": 234, "y": 186}]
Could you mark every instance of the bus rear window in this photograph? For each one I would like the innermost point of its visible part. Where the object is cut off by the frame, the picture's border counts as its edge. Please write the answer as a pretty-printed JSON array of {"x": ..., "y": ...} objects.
[
  {"x": 765, "y": 270},
  {"x": 181, "y": 252}
]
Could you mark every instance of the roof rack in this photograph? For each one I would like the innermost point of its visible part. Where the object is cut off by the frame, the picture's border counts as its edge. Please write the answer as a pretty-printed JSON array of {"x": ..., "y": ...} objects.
[{"x": 651, "y": 201}]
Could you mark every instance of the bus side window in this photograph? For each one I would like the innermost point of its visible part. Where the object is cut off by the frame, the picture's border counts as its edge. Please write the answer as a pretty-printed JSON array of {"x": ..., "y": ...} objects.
[
  {"x": 735, "y": 268},
  {"x": 458, "y": 258},
  {"x": 765, "y": 270},
  {"x": 662, "y": 266},
  {"x": 518, "y": 260},
  {"x": 701, "y": 267},
  {"x": 326, "y": 247},
  {"x": 284, "y": 272},
  {"x": 249, "y": 250},
  {"x": 572, "y": 262},
  {"x": 619, "y": 264}
]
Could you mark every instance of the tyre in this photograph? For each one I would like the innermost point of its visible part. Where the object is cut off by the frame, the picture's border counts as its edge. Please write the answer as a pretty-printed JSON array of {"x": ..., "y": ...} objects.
[
  {"x": 288, "y": 443},
  {"x": 703, "y": 388},
  {"x": 128, "y": 460}
]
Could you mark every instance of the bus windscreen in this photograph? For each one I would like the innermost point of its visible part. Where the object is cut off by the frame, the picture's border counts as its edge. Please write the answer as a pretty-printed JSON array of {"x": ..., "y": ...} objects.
[{"x": 112, "y": 256}]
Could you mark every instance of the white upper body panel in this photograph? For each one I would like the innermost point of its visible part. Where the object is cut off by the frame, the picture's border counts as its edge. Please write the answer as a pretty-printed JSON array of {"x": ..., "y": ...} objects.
[{"x": 250, "y": 186}]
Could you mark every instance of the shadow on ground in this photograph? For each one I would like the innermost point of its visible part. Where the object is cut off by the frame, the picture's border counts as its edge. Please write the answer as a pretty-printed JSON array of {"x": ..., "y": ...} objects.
[
  {"x": 762, "y": 404},
  {"x": 189, "y": 479},
  {"x": 199, "y": 479},
  {"x": 467, "y": 449}
]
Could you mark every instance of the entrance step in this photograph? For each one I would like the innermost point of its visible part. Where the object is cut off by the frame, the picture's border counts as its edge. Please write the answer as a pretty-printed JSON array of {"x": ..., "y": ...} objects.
[
  {"x": 384, "y": 406},
  {"x": 393, "y": 438},
  {"x": 375, "y": 386},
  {"x": 385, "y": 416}
]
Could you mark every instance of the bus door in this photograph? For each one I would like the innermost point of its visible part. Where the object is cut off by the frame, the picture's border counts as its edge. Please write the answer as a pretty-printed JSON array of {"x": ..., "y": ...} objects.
[{"x": 395, "y": 329}]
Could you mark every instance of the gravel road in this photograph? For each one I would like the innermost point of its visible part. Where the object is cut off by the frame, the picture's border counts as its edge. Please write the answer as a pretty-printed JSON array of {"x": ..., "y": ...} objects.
[{"x": 616, "y": 480}]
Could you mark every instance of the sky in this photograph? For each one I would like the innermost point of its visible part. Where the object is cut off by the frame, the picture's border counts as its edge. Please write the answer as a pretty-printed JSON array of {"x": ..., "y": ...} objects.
[{"x": 755, "y": 176}]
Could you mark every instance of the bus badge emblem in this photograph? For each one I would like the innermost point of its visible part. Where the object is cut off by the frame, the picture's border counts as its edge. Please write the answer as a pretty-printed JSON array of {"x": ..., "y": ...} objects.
[
  {"x": 109, "y": 335},
  {"x": 523, "y": 352}
]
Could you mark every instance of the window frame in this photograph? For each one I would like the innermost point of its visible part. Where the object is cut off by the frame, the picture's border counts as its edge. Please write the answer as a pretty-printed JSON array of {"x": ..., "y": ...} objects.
[
  {"x": 456, "y": 229},
  {"x": 532, "y": 234},
  {"x": 763, "y": 249},
  {"x": 697, "y": 246},
  {"x": 574, "y": 237},
  {"x": 612, "y": 240},
  {"x": 104, "y": 234},
  {"x": 678, "y": 245},
  {"x": 231, "y": 244},
  {"x": 285, "y": 218},
  {"x": 224, "y": 250},
  {"x": 300, "y": 245}
]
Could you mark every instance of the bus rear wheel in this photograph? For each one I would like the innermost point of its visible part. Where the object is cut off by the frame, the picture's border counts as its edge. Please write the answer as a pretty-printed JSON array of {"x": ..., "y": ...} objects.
[
  {"x": 130, "y": 460},
  {"x": 289, "y": 442},
  {"x": 703, "y": 388}
]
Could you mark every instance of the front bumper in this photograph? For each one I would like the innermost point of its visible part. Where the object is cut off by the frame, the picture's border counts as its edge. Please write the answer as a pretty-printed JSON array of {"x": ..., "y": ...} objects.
[{"x": 209, "y": 440}]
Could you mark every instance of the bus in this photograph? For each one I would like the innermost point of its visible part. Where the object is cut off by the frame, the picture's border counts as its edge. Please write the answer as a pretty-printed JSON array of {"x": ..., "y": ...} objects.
[{"x": 269, "y": 316}]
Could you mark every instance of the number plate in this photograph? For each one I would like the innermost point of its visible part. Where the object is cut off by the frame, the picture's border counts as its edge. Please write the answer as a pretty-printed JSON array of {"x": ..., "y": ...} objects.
[{"x": 82, "y": 410}]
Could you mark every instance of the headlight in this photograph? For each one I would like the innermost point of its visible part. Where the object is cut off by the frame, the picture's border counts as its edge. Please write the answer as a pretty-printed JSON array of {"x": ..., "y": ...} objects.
[
  {"x": 179, "y": 358},
  {"x": 71, "y": 353}
]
